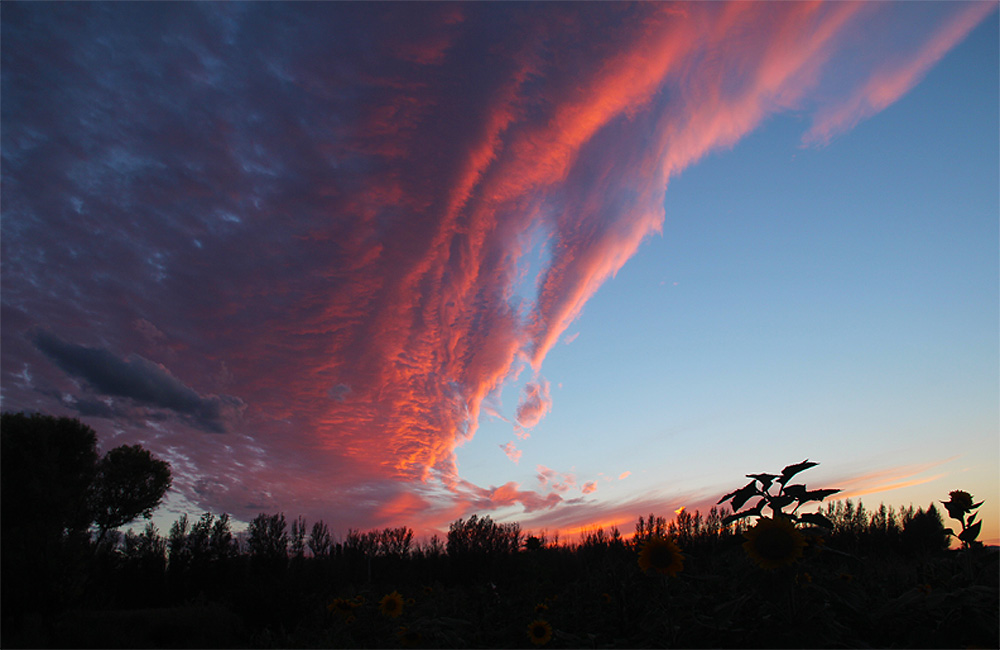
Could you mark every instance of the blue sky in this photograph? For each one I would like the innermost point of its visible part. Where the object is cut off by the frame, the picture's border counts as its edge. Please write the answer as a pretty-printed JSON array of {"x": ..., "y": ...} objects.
[
  {"x": 837, "y": 303},
  {"x": 556, "y": 263}
]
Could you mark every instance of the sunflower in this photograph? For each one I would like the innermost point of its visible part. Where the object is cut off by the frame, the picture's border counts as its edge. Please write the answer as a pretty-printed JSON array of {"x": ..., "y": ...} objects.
[
  {"x": 774, "y": 542},
  {"x": 541, "y": 607},
  {"x": 391, "y": 605},
  {"x": 961, "y": 499},
  {"x": 661, "y": 555},
  {"x": 540, "y": 632},
  {"x": 342, "y": 606}
]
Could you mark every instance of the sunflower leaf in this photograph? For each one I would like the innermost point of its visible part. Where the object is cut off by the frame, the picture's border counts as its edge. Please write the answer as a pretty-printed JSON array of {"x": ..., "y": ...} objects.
[
  {"x": 777, "y": 503},
  {"x": 971, "y": 533},
  {"x": 765, "y": 479},
  {"x": 816, "y": 519},
  {"x": 792, "y": 470},
  {"x": 819, "y": 495},
  {"x": 796, "y": 491},
  {"x": 743, "y": 494},
  {"x": 736, "y": 516},
  {"x": 727, "y": 497}
]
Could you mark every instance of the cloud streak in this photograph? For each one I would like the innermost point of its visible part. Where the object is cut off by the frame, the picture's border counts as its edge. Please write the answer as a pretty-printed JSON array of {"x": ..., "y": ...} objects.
[{"x": 321, "y": 215}]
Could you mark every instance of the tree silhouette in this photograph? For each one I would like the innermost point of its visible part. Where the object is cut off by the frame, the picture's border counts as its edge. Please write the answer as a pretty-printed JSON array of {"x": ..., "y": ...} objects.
[
  {"x": 130, "y": 482},
  {"x": 53, "y": 488},
  {"x": 483, "y": 536},
  {"x": 268, "y": 538},
  {"x": 47, "y": 466},
  {"x": 319, "y": 539}
]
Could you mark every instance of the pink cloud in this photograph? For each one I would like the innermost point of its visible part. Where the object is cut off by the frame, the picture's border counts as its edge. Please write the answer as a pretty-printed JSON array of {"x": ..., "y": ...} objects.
[
  {"x": 535, "y": 403},
  {"x": 588, "y": 487},
  {"x": 556, "y": 480},
  {"x": 890, "y": 81},
  {"x": 624, "y": 475},
  {"x": 512, "y": 452}
]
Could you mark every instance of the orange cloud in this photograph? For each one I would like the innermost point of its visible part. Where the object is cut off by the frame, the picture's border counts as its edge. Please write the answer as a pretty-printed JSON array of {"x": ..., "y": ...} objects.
[{"x": 886, "y": 480}]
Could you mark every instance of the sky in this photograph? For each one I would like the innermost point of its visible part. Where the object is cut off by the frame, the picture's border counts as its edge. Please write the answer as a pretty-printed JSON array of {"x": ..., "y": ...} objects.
[{"x": 562, "y": 264}]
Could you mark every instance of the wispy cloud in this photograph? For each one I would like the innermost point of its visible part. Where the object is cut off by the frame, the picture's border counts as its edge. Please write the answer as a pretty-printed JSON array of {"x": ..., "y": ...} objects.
[
  {"x": 890, "y": 81},
  {"x": 887, "y": 480},
  {"x": 535, "y": 403},
  {"x": 512, "y": 452}
]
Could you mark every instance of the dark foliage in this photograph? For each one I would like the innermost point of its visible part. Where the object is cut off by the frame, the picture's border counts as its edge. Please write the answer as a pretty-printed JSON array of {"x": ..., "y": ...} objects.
[
  {"x": 54, "y": 488},
  {"x": 196, "y": 588},
  {"x": 883, "y": 578},
  {"x": 130, "y": 482}
]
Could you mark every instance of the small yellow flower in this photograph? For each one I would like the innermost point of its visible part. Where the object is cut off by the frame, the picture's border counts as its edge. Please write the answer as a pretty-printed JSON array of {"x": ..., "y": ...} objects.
[
  {"x": 607, "y": 597},
  {"x": 773, "y": 543},
  {"x": 803, "y": 578},
  {"x": 540, "y": 632},
  {"x": 391, "y": 605},
  {"x": 541, "y": 607},
  {"x": 662, "y": 556}
]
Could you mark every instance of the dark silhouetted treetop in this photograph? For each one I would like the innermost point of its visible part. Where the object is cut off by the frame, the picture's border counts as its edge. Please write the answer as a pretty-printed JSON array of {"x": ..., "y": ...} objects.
[
  {"x": 47, "y": 466},
  {"x": 483, "y": 537},
  {"x": 319, "y": 539},
  {"x": 53, "y": 481},
  {"x": 130, "y": 483},
  {"x": 268, "y": 537}
]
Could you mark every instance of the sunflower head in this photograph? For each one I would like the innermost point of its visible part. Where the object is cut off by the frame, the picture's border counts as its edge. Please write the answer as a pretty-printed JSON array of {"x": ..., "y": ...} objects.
[
  {"x": 539, "y": 632},
  {"x": 662, "y": 556},
  {"x": 342, "y": 606},
  {"x": 391, "y": 605},
  {"x": 961, "y": 499},
  {"x": 773, "y": 543}
]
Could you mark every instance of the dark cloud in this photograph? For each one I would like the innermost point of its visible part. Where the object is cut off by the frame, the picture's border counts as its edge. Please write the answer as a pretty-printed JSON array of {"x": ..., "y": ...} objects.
[{"x": 140, "y": 380}]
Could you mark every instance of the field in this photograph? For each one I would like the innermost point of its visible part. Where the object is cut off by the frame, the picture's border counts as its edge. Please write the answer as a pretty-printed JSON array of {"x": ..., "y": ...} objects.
[{"x": 877, "y": 579}]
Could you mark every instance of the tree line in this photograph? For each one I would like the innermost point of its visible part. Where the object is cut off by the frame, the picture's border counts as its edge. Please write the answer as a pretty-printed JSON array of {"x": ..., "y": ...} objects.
[{"x": 62, "y": 506}]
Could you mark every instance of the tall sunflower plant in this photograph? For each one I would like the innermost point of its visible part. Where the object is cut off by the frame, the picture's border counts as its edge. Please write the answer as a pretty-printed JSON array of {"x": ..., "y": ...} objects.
[
  {"x": 775, "y": 541},
  {"x": 961, "y": 507},
  {"x": 774, "y": 492}
]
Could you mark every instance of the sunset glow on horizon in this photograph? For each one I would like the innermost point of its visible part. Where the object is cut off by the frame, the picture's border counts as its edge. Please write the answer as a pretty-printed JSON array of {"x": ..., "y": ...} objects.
[{"x": 563, "y": 264}]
